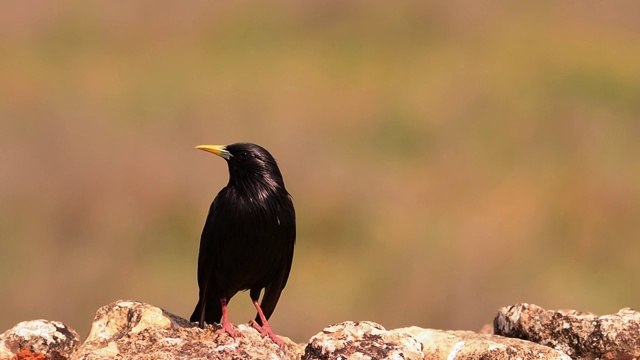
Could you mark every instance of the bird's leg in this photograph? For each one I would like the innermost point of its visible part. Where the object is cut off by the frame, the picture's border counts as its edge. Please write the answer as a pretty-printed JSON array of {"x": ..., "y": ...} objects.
[
  {"x": 265, "y": 329},
  {"x": 227, "y": 326}
]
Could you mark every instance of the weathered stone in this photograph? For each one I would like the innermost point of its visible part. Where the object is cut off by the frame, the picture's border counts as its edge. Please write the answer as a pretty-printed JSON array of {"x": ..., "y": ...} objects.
[
  {"x": 38, "y": 339},
  {"x": 134, "y": 330},
  {"x": 367, "y": 340},
  {"x": 362, "y": 340},
  {"x": 578, "y": 334},
  {"x": 461, "y": 345}
]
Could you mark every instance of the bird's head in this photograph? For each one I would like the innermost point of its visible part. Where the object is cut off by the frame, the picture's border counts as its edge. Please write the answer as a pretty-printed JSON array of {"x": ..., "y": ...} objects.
[{"x": 248, "y": 164}]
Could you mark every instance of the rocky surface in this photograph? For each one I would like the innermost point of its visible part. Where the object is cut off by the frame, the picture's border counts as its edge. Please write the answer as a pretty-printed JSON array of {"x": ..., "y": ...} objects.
[
  {"x": 578, "y": 334},
  {"x": 461, "y": 345},
  {"x": 362, "y": 340},
  {"x": 38, "y": 339},
  {"x": 134, "y": 330},
  {"x": 367, "y": 340}
]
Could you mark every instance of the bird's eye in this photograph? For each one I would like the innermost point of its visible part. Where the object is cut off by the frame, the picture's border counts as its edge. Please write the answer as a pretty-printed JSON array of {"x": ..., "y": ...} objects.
[{"x": 244, "y": 155}]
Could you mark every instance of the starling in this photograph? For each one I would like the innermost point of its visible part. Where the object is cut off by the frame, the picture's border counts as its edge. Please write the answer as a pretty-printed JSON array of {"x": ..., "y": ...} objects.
[{"x": 248, "y": 239}]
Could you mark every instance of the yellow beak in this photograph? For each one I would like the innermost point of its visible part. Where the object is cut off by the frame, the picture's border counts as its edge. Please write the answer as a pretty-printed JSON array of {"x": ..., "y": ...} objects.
[{"x": 219, "y": 150}]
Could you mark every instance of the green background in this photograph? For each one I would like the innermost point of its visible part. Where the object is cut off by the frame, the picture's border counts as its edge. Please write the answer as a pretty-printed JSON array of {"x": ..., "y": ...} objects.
[{"x": 446, "y": 158}]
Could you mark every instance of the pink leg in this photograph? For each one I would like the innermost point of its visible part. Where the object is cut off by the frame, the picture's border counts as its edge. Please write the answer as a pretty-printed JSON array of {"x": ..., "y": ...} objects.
[
  {"x": 227, "y": 326},
  {"x": 265, "y": 329}
]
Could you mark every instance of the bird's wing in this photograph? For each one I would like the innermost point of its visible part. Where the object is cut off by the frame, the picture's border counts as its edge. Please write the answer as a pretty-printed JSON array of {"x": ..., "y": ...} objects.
[
  {"x": 208, "y": 308},
  {"x": 207, "y": 248},
  {"x": 274, "y": 289}
]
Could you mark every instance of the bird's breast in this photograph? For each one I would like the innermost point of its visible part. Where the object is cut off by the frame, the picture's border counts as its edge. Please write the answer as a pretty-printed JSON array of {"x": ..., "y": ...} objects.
[{"x": 252, "y": 235}]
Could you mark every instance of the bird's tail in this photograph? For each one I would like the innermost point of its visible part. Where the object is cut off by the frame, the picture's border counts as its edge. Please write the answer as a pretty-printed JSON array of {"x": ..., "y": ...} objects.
[
  {"x": 207, "y": 312},
  {"x": 197, "y": 312}
]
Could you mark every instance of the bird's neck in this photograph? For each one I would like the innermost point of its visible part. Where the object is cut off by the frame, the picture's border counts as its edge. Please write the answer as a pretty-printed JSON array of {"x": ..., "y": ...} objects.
[{"x": 258, "y": 187}]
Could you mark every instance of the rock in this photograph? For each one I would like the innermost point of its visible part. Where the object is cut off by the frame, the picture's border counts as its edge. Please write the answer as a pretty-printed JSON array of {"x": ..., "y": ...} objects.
[
  {"x": 460, "y": 345},
  {"x": 38, "y": 339},
  {"x": 134, "y": 330},
  {"x": 362, "y": 340},
  {"x": 578, "y": 334},
  {"x": 367, "y": 340}
]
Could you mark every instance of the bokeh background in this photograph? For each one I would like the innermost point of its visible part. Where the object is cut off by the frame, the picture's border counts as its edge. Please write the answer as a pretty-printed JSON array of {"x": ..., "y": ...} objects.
[{"x": 446, "y": 158}]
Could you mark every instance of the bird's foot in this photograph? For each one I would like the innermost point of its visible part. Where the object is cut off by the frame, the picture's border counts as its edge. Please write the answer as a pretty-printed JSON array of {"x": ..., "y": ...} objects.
[
  {"x": 227, "y": 327},
  {"x": 265, "y": 330}
]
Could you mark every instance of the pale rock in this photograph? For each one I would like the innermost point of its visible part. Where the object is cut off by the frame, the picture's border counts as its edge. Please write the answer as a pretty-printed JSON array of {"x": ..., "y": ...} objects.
[
  {"x": 53, "y": 339},
  {"x": 578, "y": 334},
  {"x": 367, "y": 340},
  {"x": 461, "y": 345},
  {"x": 134, "y": 330},
  {"x": 362, "y": 340}
]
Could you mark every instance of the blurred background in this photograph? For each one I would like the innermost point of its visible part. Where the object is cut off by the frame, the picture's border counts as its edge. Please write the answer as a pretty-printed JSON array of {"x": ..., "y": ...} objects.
[{"x": 446, "y": 158}]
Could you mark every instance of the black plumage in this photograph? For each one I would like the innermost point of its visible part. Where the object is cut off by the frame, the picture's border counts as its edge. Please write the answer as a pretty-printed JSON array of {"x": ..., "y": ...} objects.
[{"x": 248, "y": 238}]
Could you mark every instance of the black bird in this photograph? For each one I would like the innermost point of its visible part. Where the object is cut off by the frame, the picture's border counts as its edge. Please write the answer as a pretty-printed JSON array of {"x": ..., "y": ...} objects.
[{"x": 248, "y": 239}]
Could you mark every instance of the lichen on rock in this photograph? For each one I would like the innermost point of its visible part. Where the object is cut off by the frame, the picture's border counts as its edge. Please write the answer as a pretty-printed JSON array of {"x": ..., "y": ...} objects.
[
  {"x": 135, "y": 330},
  {"x": 580, "y": 335},
  {"x": 51, "y": 339}
]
